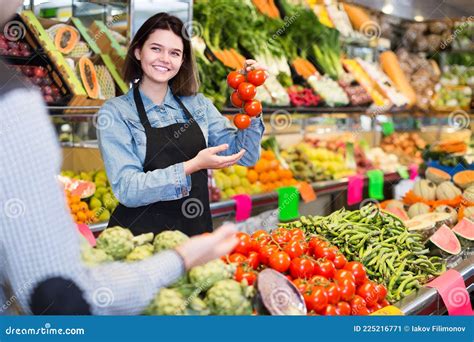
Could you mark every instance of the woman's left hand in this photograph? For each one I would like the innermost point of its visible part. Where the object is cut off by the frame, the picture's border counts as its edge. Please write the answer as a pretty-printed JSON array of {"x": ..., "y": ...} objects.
[{"x": 251, "y": 64}]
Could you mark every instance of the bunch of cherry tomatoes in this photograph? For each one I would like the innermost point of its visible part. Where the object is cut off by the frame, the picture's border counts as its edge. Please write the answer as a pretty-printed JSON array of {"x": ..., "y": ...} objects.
[
  {"x": 329, "y": 283},
  {"x": 245, "y": 88}
]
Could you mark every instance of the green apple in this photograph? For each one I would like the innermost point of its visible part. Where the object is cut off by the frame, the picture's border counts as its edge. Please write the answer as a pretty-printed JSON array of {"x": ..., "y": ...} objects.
[{"x": 95, "y": 203}]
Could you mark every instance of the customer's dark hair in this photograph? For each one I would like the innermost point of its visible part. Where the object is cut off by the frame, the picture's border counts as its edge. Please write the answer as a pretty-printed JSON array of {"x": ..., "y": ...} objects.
[{"x": 186, "y": 81}]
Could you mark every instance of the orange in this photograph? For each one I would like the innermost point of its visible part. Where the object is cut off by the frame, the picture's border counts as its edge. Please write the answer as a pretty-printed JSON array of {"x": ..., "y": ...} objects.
[
  {"x": 252, "y": 176},
  {"x": 75, "y": 208},
  {"x": 288, "y": 174},
  {"x": 273, "y": 164},
  {"x": 273, "y": 176},
  {"x": 75, "y": 199},
  {"x": 281, "y": 173},
  {"x": 261, "y": 166},
  {"x": 264, "y": 177},
  {"x": 81, "y": 216},
  {"x": 74, "y": 217},
  {"x": 83, "y": 206},
  {"x": 278, "y": 185},
  {"x": 268, "y": 155}
]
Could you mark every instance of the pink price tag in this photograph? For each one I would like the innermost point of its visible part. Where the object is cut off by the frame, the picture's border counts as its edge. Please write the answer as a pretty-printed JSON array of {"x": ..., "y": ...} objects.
[
  {"x": 354, "y": 189},
  {"x": 450, "y": 286},
  {"x": 243, "y": 207},
  {"x": 86, "y": 232},
  {"x": 413, "y": 171}
]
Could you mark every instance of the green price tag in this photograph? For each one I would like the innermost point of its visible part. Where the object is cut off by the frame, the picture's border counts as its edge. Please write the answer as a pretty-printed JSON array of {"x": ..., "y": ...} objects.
[
  {"x": 288, "y": 203},
  {"x": 388, "y": 128},
  {"x": 376, "y": 180},
  {"x": 403, "y": 172}
]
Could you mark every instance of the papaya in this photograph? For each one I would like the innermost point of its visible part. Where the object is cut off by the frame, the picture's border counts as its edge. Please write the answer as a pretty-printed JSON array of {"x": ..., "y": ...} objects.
[
  {"x": 66, "y": 39},
  {"x": 89, "y": 77}
]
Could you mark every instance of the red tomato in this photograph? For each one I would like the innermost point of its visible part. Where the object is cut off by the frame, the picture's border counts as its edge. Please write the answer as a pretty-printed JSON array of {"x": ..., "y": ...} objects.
[
  {"x": 259, "y": 234},
  {"x": 241, "y": 274},
  {"x": 324, "y": 252},
  {"x": 347, "y": 289},
  {"x": 342, "y": 275},
  {"x": 325, "y": 268},
  {"x": 331, "y": 311},
  {"x": 384, "y": 303},
  {"x": 281, "y": 235},
  {"x": 234, "y": 79},
  {"x": 242, "y": 121},
  {"x": 357, "y": 270},
  {"x": 256, "y": 77},
  {"x": 245, "y": 245},
  {"x": 259, "y": 243},
  {"x": 235, "y": 100},
  {"x": 333, "y": 293},
  {"x": 340, "y": 261},
  {"x": 320, "y": 280},
  {"x": 301, "y": 284},
  {"x": 297, "y": 234},
  {"x": 358, "y": 305},
  {"x": 381, "y": 291},
  {"x": 279, "y": 261},
  {"x": 375, "y": 307},
  {"x": 301, "y": 268},
  {"x": 253, "y": 260},
  {"x": 246, "y": 91},
  {"x": 294, "y": 249},
  {"x": 368, "y": 291},
  {"x": 252, "y": 108},
  {"x": 266, "y": 252},
  {"x": 343, "y": 308},
  {"x": 237, "y": 258},
  {"x": 318, "y": 299}
]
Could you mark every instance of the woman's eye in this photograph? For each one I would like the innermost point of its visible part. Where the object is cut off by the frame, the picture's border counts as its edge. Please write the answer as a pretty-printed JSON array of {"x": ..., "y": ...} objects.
[
  {"x": 155, "y": 48},
  {"x": 175, "y": 54}
]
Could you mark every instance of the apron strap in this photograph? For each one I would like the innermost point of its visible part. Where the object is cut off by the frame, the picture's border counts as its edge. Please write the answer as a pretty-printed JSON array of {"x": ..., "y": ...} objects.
[
  {"x": 141, "y": 108},
  {"x": 186, "y": 111}
]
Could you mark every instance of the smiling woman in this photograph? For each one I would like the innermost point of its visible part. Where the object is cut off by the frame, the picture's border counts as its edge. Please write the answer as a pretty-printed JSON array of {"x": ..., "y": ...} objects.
[{"x": 166, "y": 136}]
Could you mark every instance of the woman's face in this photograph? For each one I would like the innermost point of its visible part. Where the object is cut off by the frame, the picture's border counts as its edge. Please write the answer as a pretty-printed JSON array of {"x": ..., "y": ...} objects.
[{"x": 161, "y": 56}]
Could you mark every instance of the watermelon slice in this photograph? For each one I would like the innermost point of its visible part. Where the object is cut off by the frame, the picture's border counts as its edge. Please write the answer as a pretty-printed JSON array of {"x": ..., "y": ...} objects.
[
  {"x": 446, "y": 240},
  {"x": 77, "y": 187},
  {"x": 400, "y": 213},
  {"x": 465, "y": 230}
]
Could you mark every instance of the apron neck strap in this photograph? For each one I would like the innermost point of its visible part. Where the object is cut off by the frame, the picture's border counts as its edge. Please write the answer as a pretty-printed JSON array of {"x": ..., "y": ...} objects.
[
  {"x": 140, "y": 107},
  {"x": 186, "y": 111}
]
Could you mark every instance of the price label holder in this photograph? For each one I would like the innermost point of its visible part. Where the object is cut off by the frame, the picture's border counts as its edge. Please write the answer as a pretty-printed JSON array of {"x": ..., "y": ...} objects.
[
  {"x": 288, "y": 203},
  {"x": 403, "y": 172},
  {"x": 307, "y": 192},
  {"x": 376, "y": 180},
  {"x": 87, "y": 233},
  {"x": 388, "y": 311},
  {"x": 243, "y": 207},
  {"x": 388, "y": 128},
  {"x": 355, "y": 187},
  {"x": 413, "y": 171},
  {"x": 450, "y": 286}
]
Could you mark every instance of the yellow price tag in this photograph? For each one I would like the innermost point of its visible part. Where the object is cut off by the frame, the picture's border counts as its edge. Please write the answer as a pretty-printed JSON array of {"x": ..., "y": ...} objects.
[{"x": 388, "y": 311}]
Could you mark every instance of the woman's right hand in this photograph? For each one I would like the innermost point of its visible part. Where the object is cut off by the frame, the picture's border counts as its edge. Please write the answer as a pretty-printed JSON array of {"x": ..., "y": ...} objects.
[
  {"x": 206, "y": 247},
  {"x": 208, "y": 159}
]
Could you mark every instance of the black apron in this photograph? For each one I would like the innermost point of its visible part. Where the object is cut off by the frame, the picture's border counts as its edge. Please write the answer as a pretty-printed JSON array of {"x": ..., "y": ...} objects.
[{"x": 167, "y": 146}]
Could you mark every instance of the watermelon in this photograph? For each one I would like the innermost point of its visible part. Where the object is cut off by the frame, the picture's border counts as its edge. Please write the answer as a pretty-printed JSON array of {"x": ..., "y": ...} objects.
[
  {"x": 399, "y": 212},
  {"x": 465, "y": 231},
  {"x": 83, "y": 189},
  {"x": 446, "y": 241}
]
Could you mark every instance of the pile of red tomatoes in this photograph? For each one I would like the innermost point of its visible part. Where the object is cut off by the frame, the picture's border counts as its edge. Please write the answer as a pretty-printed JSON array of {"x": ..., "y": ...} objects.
[
  {"x": 329, "y": 283},
  {"x": 245, "y": 88}
]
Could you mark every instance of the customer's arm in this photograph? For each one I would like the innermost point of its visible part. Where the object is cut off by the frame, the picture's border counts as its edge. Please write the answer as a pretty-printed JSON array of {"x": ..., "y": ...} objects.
[{"x": 38, "y": 239}]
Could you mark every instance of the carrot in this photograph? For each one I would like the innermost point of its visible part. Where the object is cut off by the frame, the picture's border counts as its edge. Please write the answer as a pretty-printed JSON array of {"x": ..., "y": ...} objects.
[
  {"x": 274, "y": 13},
  {"x": 238, "y": 57},
  {"x": 219, "y": 55},
  {"x": 235, "y": 62},
  {"x": 261, "y": 6}
]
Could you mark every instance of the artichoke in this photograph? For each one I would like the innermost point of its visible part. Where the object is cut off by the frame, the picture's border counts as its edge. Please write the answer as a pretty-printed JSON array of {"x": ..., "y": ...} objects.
[
  {"x": 167, "y": 302},
  {"x": 197, "y": 307},
  {"x": 140, "y": 253},
  {"x": 143, "y": 239},
  {"x": 92, "y": 256},
  {"x": 204, "y": 276},
  {"x": 169, "y": 239},
  {"x": 116, "y": 241},
  {"x": 228, "y": 297}
]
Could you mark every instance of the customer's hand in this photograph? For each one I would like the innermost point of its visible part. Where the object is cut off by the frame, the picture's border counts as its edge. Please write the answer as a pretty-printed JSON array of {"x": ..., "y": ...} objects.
[
  {"x": 208, "y": 159},
  {"x": 206, "y": 247},
  {"x": 251, "y": 64}
]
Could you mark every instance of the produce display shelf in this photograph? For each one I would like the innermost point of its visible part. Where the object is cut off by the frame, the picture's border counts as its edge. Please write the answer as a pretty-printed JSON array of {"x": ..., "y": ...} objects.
[
  {"x": 427, "y": 301},
  {"x": 223, "y": 208}
]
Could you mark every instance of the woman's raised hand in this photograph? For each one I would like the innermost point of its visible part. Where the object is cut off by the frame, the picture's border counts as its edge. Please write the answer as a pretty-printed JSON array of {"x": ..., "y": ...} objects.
[{"x": 208, "y": 159}]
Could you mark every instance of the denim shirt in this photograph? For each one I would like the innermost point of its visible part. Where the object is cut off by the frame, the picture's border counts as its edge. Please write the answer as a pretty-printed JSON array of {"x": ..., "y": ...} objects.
[{"x": 122, "y": 142}]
